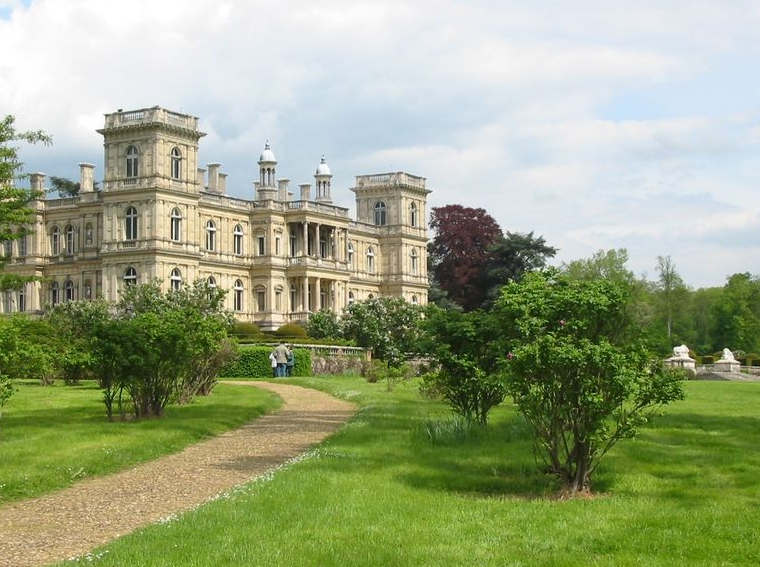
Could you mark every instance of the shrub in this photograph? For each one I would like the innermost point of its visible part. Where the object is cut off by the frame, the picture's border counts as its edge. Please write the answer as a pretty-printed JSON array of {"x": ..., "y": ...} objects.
[
  {"x": 324, "y": 324},
  {"x": 248, "y": 330},
  {"x": 707, "y": 359},
  {"x": 253, "y": 362},
  {"x": 290, "y": 330}
]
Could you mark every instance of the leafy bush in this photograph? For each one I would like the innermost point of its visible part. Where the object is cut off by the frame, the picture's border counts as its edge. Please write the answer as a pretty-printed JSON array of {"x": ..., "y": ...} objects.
[
  {"x": 324, "y": 324},
  {"x": 253, "y": 362},
  {"x": 290, "y": 330},
  {"x": 247, "y": 330}
]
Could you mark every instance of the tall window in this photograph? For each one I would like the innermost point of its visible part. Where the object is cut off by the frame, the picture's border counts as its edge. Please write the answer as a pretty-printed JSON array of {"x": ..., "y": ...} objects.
[
  {"x": 176, "y": 279},
  {"x": 132, "y": 162},
  {"x": 238, "y": 295},
  {"x": 22, "y": 300},
  {"x": 210, "y": 236},
  {"x": 262, "y": 245},
  {"x": 380, "y": 214},
  {"x": 277, "y": 246},
  {"x": 55, "y": 293},
  {"x": 176, "y": 162},
  {"x": 176, "y": 225},
  {"x": 293, "y": 298},
  {"x": 261, "y": 300},
  {"x": 414, "y": 259},
  {"x": 322, "y": 247},
  {"x": 278, "y": 299},
  {"x": 237, "y": 240},
  {"x": 8, "y": 301},
  {"x": 8, "y": 248},
  {"x": 351, "y": 254},
  {"x": 351, "y": 297},
  {"x": 413, "y": 214},
  {"x": 370, "y": 260},
  {"x": 70, "y": 237},
  {"x": 130, "y": 223},
  {"x": 69, "y": 290},
  {"x": 293, "y": 245},
  {"x": 87, "y": 289},
  {"x": 55, "y": 241},
  {"x": 130, "y": 276},
  {"x": 22, "y": 244}
]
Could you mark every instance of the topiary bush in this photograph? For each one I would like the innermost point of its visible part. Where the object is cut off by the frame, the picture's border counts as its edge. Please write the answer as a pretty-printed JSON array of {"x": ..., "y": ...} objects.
[
  {"x": 290, "y": 330},
  {"x": 247, "y": 330}
]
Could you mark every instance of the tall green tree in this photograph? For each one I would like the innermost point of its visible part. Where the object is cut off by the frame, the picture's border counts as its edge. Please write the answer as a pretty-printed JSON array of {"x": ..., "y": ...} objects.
[
  {"x": 736, "y": 315},
  {"x": 15, "y": 214},
  {"x": 671, "y": 292},
  {"x": 510, "y": 257},
  {"x": 577, "y": 370}
]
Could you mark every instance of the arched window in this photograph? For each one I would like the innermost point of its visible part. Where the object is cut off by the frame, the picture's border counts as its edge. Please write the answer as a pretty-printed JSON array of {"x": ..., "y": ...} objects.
[
  {"x": 351, "y": 254},
  {"x": 414, "y": 261},
  {"x": 237, "y": 240},
  {"x": 87, "y": 289},
  {"x": 176, "y": 225},
  {"x": 413, "y": 213},
  {"x": 69, "y": 290},
  {"x": 176, "y": 162},
  {"x": 370, "y": 296},
  {"x": 176, "y": 279},
  {"x": 70, "y": 237},
  {"x": 55, "y": 241},
  {"x": 130, "y": 276},
  {"x": 22, "y": 300},
  {"x": 210, "y": 236},
  {"x": 415, "y": 301},
  {"x": 55, "y": 293},
  {"x": 380, "y": 214},
  {"x": 132, "y": 162},
  {"x": 211, "y": 281},
  {"x": 370, "y": 260},
  {"x": 238, "y": 295},
  {"x": 351, "y": 297},
  {"x": 130, "y": 223}
]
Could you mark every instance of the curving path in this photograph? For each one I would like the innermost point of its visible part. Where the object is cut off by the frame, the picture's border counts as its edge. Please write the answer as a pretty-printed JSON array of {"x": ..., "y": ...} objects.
[{"x": 93, "y": 512}]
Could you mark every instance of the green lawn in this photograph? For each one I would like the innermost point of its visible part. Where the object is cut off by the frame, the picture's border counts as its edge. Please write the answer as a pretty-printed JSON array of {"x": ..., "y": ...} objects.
[
  {"x": 51, "y": 436},
  {"x": 381, "y": 493}
]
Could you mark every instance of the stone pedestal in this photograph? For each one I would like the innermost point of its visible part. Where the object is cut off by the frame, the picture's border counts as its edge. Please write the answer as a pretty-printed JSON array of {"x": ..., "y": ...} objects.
[
  {"x": 727, "y": 366},
  {"x": 682, "y": 362}
]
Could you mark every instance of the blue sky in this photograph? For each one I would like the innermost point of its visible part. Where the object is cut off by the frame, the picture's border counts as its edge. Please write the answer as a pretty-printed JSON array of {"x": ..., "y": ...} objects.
[{"x": 599, "y": 125}]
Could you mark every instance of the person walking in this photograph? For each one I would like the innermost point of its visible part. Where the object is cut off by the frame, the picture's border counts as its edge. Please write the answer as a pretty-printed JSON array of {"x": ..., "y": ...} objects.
[
  {"x": 281, "y": 355},
  {"x": 291, "y": 361}
]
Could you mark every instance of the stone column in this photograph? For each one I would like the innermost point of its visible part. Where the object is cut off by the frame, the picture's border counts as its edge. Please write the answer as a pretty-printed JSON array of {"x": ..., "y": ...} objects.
[
  {"x": 317, "y": 246},
  {"x": 305, "y": 246},
  {"x": 317, "y": 294},
  {"x": 305, "y": 294}
]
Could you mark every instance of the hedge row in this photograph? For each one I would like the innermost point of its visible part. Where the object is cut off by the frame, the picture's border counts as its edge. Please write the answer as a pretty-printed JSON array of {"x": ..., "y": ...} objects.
[{"x": 253, "y": 362}]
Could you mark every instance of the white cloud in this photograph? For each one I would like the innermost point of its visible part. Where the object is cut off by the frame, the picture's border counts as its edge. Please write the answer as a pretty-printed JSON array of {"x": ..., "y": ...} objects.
[{"x": 596, "y": 124}]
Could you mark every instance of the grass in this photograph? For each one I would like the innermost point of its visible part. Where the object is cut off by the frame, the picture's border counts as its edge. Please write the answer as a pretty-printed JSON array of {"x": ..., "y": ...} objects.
[
  {"x": 403, "y": 484},
  {"x": 383, "y": 491},
  {"x": 52, "y": 436}
]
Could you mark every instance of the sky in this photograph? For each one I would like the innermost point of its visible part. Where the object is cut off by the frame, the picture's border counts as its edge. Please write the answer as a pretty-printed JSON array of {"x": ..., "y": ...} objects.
[{"x": 595, "y": 124}]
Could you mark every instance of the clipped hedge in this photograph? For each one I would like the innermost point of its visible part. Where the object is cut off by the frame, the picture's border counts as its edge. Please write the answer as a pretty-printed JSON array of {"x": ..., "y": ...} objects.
[
  {"x": 291, "y": 330},
  {"x": 253, "y": 362}
]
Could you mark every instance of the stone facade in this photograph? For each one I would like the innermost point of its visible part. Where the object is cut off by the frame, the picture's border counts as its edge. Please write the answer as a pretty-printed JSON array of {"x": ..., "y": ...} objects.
[{"x": 159, "y": 215}]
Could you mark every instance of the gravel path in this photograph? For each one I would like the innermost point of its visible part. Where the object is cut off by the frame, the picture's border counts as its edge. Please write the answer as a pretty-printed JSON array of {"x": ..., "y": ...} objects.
[{"x": 93, "y": 512}]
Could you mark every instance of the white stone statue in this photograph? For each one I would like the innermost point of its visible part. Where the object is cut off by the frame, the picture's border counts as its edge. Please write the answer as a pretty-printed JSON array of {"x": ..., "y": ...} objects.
[
  {"x": 681, "y": 352},
  {"x": 728, "y": 355}
]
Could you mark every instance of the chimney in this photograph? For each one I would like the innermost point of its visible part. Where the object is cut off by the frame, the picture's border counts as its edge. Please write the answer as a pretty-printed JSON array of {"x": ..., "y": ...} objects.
[
  {"x": 222, "y": 182},
  {"x": 305, "y": 191},
  {"x": 213, "y": 177},
  {"x": 86, "y": 177},
  {"x": 201, "y": 178},
  {"x": 282, "y": 189},
  {"x": 38, "y": 184}
]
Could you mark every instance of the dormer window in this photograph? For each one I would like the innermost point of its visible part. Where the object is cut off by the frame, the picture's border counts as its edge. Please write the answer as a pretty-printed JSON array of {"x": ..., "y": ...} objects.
[
  {"x": 176, "y": 163},
  {"x": 132, "y": 162},
  {"x": 380, "y": 214}
]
